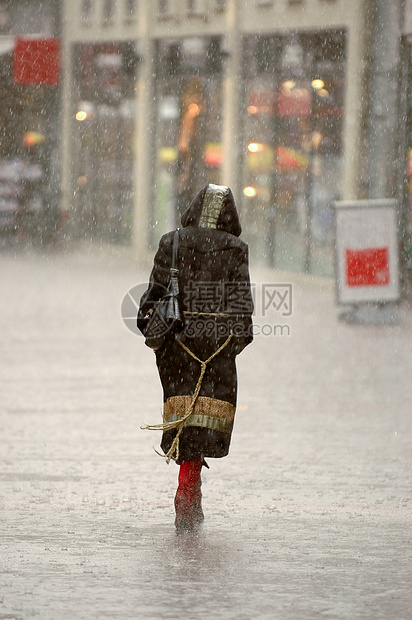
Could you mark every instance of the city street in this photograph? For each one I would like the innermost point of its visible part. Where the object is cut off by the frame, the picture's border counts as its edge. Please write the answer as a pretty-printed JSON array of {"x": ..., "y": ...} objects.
[{"x": 308, "y": 517}]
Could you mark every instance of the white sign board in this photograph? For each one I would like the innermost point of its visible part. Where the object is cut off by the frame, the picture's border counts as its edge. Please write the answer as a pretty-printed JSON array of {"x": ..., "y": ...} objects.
[{"x": 366, "y": 262}]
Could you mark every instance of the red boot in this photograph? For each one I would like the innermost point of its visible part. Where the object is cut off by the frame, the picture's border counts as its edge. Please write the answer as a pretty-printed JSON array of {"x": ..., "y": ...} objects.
[{"x": 188, "y": 500}]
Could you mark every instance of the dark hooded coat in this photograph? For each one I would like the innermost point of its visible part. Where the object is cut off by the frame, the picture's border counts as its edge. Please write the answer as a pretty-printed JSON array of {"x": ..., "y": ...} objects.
[{"x": 216, "y": 299}]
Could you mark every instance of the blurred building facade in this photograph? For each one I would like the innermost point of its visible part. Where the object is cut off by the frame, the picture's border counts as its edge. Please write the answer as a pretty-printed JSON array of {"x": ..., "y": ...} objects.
[
  {"x": 29, "y": 117},
  {"x": 270, "y": 97}
]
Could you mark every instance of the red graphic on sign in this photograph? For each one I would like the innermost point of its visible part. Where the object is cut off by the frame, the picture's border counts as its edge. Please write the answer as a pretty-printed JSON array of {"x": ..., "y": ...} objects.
[
  {"x": 369, "y": 267},
  {"x": 36, "y": 61}
]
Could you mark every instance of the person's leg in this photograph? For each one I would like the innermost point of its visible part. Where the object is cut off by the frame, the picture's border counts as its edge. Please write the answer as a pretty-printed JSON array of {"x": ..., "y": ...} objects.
[{"x": 188, "y": 500}]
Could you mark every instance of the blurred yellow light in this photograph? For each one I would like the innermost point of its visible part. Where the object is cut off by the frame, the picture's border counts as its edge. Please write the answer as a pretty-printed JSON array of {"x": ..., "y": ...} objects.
[
  {"x": 81, "y": 115},
  {"x": 317, "y": 138},
  {"x": 250, "y": 192},
  {"x": 318, "y": 84},
  {"x": 252, "y": 109},
  {"x": 288, "y": 84},
  {"x": 168, "y": 154},
  {"x": 323, "y": 92},
  {"x": 255, "y": 147}
]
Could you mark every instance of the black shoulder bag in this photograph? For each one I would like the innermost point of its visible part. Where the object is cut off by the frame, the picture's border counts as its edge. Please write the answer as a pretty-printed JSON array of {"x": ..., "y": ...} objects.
[{"x": 165, "y": 318}]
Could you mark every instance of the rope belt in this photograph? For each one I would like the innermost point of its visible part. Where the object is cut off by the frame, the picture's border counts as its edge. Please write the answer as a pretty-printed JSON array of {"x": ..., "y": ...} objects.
[{"x": 173, "y": 453}]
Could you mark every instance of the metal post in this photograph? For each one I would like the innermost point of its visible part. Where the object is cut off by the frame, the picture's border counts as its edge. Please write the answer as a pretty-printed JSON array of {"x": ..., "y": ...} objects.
[
  {"x": 67, "y": 109},
  {"x": 231, "y": 99},
  {"x": 404, "y": 138},
  {"x": 144, "y": 130},
  {"x": 384, "y": 97},
  {"x": 355, "y": 96},
  {"x": 309, "y": 206}
]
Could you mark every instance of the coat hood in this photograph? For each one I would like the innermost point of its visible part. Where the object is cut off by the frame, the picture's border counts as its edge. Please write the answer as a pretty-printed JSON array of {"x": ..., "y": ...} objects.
[{"x": 213, "y": 207}]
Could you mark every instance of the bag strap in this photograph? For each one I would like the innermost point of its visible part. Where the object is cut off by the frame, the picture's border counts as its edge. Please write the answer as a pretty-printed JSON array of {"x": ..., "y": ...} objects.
[{"x": 174, "y": 271}]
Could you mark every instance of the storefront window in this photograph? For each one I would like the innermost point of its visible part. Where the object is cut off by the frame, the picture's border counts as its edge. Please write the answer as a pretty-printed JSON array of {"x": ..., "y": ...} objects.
[
  {"x": 108, "y": 11},
  {"x": 188, "y": 125},
  {"x": 131, "y": 8},
  {"x": 29, "y": 148},
  {"x": 293, "y": 147},
  {"x": 163, "y": 7},
  {"x": 87, "y": 9},
  {"x": 104, "y": 140}
]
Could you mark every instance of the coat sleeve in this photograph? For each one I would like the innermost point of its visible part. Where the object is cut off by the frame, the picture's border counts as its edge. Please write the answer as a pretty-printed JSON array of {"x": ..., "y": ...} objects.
[
  {"x": 159, "y": 278},
  {"x": 241, "y": 303}
]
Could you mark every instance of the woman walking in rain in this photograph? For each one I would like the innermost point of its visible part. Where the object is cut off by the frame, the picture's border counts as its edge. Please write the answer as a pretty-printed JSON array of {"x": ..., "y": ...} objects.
[{"x": 197, "y": 366}]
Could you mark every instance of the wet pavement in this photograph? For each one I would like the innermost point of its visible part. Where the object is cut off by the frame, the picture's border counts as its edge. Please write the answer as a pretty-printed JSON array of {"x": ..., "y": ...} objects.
[{"x": 310, "y": 515}]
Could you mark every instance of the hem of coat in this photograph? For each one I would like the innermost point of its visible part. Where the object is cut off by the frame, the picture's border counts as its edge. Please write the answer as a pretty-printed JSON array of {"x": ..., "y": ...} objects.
[{"x": 197, "y": 443}]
